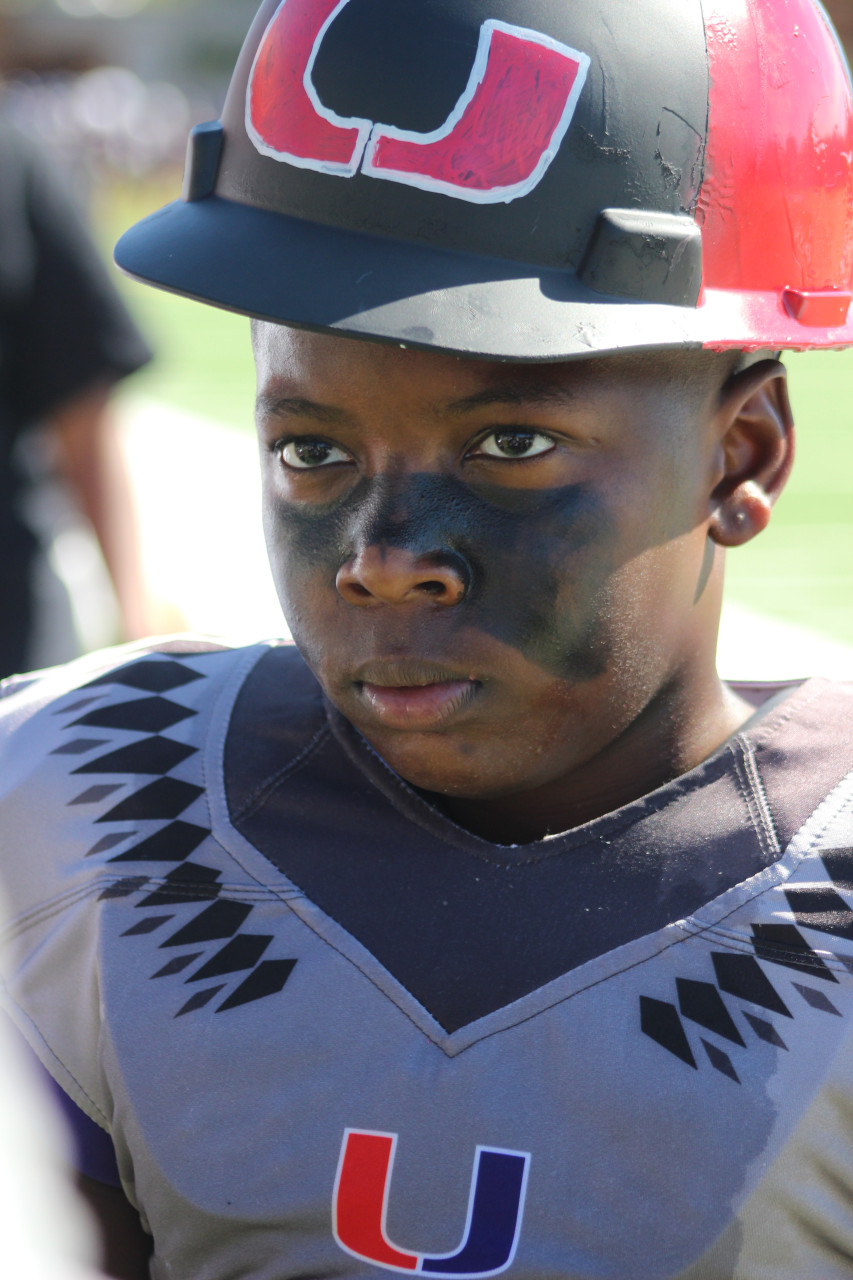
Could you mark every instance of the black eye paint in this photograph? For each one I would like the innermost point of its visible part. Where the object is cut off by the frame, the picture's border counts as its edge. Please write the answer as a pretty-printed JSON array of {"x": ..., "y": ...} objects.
[{"x": 538, "y": 559}]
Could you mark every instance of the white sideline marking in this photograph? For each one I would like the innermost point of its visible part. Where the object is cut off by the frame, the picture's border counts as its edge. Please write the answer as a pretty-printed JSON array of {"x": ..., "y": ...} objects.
[{"x": 196, "y": 485}]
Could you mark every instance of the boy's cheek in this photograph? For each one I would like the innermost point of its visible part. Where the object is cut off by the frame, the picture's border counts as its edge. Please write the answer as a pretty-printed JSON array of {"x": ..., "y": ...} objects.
[
  {"x": 546, "y": 603},
  {"x": 304, "y": 553}
]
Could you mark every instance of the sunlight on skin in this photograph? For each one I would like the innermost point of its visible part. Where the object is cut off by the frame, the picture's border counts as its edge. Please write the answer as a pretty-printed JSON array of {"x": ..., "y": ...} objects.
[{"x": 500, "y": 573}]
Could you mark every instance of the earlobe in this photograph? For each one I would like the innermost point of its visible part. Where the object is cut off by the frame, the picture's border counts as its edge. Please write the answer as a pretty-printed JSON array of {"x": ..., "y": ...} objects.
[
  {"x": 743, "y": 514},
  {"x": 755, "y": 451}
]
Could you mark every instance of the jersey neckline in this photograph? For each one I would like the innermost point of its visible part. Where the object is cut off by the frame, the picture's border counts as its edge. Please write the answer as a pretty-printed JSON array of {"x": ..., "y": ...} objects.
[
  {"x": 710, "y": 918},
  {"x": 416, "y": 808}
]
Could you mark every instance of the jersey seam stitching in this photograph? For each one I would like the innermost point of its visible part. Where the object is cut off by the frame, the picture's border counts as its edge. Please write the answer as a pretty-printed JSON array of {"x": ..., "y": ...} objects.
[
  {"x": 56, "y": 1058},
  {"x": 188, "y": 891},
  {"x": 265, "y": 789},
  {"x": 749, "y": 784},
  {"x": 789, "y": 708},
  {"x": 353, "y": 961},
  {"x": 763, "y": 800},
  {"x": 568, "y": 842},
  {"x": 698, "y": 930}
]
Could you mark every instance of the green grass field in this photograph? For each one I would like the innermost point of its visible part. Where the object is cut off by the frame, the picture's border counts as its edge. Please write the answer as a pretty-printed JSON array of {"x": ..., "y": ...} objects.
[
  {"x": 800, "y": 570},
  {"x": 203, "y": 360}
]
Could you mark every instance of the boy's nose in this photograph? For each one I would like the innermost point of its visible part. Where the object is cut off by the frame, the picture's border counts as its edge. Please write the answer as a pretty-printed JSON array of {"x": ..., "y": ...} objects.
[{"x": 392, "y": 575}]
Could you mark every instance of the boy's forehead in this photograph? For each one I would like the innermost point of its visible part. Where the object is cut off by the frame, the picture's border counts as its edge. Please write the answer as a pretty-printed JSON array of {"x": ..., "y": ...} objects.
[{"x": 300, "y": 362}]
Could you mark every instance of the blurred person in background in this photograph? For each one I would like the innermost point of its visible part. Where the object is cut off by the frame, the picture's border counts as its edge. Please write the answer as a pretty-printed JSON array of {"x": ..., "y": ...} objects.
[{"x": 66, "y": 339}]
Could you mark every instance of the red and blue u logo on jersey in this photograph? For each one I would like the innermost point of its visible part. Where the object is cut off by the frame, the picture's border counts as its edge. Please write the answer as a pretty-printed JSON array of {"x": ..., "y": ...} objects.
[{"x": 493, "y": 1224}]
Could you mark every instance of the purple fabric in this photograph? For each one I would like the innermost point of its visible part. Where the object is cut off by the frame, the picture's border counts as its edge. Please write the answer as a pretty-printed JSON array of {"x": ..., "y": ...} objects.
[{"x": 93, "y": 1153}]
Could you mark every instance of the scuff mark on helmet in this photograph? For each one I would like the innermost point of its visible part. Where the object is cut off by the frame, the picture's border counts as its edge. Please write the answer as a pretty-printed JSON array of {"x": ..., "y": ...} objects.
[
  {"x": 680, "y": 153},
  {"x": 601, "y": 149}
]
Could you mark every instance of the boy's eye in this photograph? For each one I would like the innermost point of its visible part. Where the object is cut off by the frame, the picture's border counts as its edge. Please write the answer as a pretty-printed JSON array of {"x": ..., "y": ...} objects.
[
  {"x": 514, "y": 444},
  {"x": 307, "y": 453}
]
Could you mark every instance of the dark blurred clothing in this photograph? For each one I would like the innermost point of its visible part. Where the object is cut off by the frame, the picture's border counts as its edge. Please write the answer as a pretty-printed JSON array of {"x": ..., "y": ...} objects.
[{"x": 63, "y": 330}]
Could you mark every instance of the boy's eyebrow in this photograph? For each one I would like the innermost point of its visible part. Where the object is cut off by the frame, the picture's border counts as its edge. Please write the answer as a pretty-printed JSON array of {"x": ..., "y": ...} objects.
[
  {"x": 274, "y": 404},
  {"x": 515, "y": 393},
  {"x": 270, "y": 404}
]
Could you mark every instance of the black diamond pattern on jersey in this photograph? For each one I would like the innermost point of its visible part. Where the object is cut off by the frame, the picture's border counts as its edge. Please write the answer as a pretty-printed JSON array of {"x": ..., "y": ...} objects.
[
  {"x": 765, "y": 1030},
  {"x": 817, "y": 999},
  {"x": 78, "y": 705},
  {"x": 839, "y": 864},
  {"x": 173, "y": 843},
  {"x": 152, "y": 675},
  {"x": 109, "y": 842},
  {"x": 177, "y": 965},
  {"x": 220, "y": 920},
  {"x": 187, "y": 883},
  {"x": 242, "y": 952},
  {"x": 721, "y": 1060},
  {"x": 165, "y": 798},
  {"x": 146, "y": 926},
  {"x": 149, "y": 755},
  {"x": 95, "y": 794},
  {"x": 79, "y": 746},
  {"x": 200, "y": 999},
  {"x": 143, "y": 715},
  {"x": 701, "y": 1002},
  {"x": 783, "y": 944},
  {"x": 737, "y": 975},
  {"x": 661, "y": 1022},
  {"x": 742, "y": 976},
  {"x": 822, "y": 909},
  {"x": 267, "y": 980}
]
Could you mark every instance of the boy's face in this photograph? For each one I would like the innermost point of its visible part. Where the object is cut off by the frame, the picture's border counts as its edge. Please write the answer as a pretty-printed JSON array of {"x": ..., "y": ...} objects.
[{"x": 492, "y": 568}]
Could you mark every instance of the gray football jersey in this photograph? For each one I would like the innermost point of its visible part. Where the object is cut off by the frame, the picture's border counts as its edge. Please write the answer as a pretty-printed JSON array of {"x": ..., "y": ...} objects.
[{"x": 281, "y": 1106}]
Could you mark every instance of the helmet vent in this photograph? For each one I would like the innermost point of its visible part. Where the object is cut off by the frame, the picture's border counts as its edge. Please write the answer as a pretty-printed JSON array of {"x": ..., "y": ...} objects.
[
  {"x": 818, "y": 308},
  {"x": 653, "y": 257},
  {"x": 203, "y": 155}
]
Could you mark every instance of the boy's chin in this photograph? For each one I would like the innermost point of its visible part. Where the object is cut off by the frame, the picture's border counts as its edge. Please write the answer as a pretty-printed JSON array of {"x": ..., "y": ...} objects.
[{"x": 462, "y": 770}]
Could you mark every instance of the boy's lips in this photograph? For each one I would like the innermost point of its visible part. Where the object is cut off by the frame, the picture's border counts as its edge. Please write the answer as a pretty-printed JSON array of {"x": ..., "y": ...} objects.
[{"x": 412, "y": 694}]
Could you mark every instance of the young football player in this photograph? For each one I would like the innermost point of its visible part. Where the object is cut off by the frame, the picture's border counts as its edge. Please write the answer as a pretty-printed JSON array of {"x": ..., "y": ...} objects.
[{"x": 485, "y": 930}]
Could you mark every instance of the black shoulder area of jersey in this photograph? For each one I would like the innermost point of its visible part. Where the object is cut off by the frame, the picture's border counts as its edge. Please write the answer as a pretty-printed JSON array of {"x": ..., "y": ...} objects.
[{"x": 278, "y": 714}]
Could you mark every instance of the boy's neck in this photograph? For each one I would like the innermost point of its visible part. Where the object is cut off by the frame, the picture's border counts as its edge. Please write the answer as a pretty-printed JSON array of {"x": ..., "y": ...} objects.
[{"x": 674, "y": 733}]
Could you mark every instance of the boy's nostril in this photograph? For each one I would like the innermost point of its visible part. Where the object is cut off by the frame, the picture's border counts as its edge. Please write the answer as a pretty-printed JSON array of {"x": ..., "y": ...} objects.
[{"x": 394, "y": 576}]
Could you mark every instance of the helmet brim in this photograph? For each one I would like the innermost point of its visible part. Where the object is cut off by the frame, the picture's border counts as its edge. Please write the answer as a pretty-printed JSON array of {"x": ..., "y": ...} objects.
[{"x": 278, "y": 268}]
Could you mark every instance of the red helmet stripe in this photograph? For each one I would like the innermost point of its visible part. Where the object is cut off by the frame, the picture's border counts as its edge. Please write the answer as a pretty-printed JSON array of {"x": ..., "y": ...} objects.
[{"x": 776, "y": 205}]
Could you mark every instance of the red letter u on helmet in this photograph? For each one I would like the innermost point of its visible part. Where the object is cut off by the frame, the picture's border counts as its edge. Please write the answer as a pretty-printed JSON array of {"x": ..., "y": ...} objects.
[{"x": 494, "y": 146}]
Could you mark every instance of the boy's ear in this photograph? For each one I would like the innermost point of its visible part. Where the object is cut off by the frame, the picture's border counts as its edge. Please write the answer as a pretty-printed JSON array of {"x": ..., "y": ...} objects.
[{"x": 755, "y": 430}]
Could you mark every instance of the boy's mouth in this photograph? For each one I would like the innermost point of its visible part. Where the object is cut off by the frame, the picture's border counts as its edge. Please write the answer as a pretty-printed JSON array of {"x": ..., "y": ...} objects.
[{"x": 413, "y": 695}]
